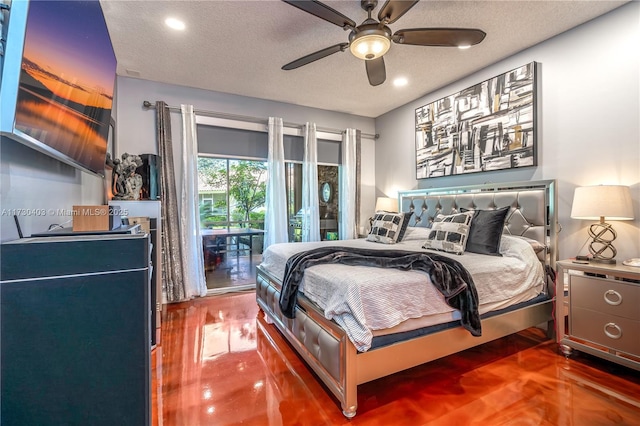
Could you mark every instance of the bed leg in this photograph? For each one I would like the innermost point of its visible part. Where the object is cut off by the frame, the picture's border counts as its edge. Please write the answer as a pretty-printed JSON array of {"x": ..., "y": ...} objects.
[
  {"x": 349, "y": 412},
  {"x": 349, "y": 401}
]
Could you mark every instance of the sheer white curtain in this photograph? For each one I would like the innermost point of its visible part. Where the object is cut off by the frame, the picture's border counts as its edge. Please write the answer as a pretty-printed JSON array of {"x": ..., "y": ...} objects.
[
  {"x": 193, "y": 262},
  {"x": 275, "y": 221},
  {"x": 310, "y": 201},
  {"x": 347, "y": 223}
]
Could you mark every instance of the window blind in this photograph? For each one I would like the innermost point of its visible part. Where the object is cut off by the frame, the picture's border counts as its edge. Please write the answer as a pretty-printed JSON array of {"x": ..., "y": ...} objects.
[{"x": 240, "y": 143}]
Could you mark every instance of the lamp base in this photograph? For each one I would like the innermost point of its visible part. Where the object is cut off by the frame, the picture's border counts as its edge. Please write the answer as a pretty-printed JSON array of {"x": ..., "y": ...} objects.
[
  {"x": 601, "y": 247},
  {"x": 605, "y": 261}
]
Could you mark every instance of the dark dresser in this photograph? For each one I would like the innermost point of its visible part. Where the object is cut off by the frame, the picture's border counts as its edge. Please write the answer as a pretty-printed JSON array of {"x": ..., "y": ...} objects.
[{"x": 75, "y": 331}]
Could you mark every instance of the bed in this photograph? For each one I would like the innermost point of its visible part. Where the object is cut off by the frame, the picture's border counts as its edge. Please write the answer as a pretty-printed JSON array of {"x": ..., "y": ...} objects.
[{"x": 348, "y": 330}]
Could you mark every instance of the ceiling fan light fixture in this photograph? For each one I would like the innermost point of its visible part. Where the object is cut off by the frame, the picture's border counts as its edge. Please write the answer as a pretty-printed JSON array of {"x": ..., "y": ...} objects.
[
  {"x": 464, "y": 46},
  {"x": 370, "y": 45},
  {"x": 371, "y": 40}
]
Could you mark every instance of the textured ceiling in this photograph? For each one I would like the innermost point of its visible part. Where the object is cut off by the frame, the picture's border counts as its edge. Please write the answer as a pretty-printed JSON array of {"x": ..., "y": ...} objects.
[{"x": 239, "y": 47}]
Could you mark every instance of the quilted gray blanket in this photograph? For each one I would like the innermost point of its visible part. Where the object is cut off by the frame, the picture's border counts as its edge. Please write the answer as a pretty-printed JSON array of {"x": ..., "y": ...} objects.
[{"x": 449, "y": 277}]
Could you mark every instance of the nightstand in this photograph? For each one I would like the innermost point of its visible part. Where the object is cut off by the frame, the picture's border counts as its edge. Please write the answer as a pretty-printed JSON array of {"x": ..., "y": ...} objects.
[{"x": 602, "y": 304}]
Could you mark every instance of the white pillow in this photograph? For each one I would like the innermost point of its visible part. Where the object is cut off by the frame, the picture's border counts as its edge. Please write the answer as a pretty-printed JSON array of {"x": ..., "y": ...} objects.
[
  {"x": 536, "y": 245},
  {"x": 416, "y": 233},
  {"x": 515, "y": 246}
]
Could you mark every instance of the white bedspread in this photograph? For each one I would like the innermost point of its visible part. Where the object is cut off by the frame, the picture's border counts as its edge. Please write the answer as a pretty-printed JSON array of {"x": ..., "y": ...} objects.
[{"x": 362, "y": 299}]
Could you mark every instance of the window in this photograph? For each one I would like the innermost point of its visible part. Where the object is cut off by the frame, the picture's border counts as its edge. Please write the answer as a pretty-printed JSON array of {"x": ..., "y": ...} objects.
[
  {"x": 231, "y": 192},
  {"x": 223, "y": 175},
  {"x": 232, "y": 176}
]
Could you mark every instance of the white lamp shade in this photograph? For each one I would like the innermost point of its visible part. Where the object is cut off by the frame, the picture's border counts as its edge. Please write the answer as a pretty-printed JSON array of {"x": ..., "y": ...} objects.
[
  {"x": 386, "y": 204},
  {"x": 370, "y": 46},
  {"x": 612, "y": 202}
]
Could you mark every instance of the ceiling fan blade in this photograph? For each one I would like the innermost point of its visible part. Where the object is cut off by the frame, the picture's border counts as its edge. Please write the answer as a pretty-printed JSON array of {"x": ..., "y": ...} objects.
[
  {"x": 439, "y": 36},
  {"x": 394, "y": 9},
  {"x": 315, "y": 56},
  {"x": 376, "y": 71},
  {"x": 322, "y": 11}
]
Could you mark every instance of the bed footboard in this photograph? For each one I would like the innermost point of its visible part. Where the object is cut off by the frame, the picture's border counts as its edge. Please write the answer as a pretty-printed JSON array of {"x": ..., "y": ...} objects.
[
  {"x": 322, "y": 344},
  {"x": 326, "y": 348}
]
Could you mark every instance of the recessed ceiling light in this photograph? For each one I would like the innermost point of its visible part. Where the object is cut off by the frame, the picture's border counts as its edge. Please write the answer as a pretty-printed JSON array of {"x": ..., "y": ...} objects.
[
  {"x": 400, "y": 81},
  {"x": 175, "y": 24},
  {"x": 464, "y": 46}
]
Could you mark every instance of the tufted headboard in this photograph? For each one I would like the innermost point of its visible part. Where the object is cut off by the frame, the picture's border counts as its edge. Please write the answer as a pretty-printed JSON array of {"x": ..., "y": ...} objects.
[{"x": 532, "y": 210}]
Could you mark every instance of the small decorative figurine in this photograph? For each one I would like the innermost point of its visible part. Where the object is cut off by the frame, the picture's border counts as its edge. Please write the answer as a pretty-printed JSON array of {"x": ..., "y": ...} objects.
[{"x": 127, "y": 184}]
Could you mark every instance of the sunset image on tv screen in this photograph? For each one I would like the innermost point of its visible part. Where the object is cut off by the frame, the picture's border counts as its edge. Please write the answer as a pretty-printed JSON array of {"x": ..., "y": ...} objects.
[{"x": 66, "y": 82}]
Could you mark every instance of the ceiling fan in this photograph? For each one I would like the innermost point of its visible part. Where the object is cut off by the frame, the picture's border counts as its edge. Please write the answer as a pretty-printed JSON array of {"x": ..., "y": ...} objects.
[{"x": 372, "y": 39}]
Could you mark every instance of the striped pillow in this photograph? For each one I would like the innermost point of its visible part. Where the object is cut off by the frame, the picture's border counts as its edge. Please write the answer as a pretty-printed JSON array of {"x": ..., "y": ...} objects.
[{"x": 449, "y": 233}]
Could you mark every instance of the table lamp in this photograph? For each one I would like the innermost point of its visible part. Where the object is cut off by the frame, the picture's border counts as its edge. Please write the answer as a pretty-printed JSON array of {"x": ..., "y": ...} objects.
[
  {"x": 386, "y": 204},
  {"x": 612, "y": 202}
]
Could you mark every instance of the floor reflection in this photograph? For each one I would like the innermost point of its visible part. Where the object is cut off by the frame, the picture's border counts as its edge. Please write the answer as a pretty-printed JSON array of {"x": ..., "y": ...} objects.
[
  {"x": 299, "y": 396},
  {"x": 219, "y": 363},
  {"x": 232, "y": 272}
]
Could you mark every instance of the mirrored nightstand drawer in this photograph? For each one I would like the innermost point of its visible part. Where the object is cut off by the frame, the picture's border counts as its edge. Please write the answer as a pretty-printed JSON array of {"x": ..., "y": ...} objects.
[
  {"x": 606, "y": 296},
  {"x": 615, "y": 332}
]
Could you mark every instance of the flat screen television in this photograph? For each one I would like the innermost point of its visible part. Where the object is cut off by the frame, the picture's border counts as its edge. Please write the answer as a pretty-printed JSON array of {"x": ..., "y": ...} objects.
[{"x": 57, "y": 80}]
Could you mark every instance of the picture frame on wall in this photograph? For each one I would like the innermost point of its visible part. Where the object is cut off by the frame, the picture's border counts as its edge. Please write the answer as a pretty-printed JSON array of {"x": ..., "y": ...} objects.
[{"x": 486, "y": 127}]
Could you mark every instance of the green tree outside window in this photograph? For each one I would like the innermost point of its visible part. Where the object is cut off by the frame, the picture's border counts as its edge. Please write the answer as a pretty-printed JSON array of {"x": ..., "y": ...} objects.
[{"x": 245, "y": 181}]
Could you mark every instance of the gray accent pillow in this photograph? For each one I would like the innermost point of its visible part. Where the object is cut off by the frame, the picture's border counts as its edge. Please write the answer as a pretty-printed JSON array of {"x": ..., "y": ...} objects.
[
  {"x": 405, "y": 224},
  {"x": 486, "y": 231}
]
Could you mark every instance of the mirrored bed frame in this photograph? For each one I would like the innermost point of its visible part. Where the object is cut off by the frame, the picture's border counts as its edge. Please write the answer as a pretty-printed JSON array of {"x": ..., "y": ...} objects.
[{"x": 328, "y": 351}]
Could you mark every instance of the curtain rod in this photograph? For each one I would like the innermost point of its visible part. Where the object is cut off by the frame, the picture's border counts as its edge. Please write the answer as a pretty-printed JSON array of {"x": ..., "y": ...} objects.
[{"x": 147, "y": 104}]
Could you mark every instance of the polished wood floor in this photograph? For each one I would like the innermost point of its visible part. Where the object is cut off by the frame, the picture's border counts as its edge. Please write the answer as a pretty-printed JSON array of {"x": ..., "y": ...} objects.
[
  {"x": 214, "y": 367},
  {"x": 231, "y": 272}
]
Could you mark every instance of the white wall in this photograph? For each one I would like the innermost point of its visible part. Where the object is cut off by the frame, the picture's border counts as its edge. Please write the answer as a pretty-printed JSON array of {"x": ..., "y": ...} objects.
[
  {"x": 588, "y": 126},
  {"x": 136, "y": 132},
  {"x": 37, "y": 188}
]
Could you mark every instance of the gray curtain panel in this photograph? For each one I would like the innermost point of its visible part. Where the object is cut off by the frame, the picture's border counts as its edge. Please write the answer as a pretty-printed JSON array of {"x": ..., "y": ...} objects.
[{"x": 173, "y": 274}]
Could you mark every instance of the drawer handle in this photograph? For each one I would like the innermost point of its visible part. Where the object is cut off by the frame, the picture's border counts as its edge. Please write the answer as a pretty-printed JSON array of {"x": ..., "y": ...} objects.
[
  {"x": 612, "y": 301},
  {"x": 618, "y": 333}
]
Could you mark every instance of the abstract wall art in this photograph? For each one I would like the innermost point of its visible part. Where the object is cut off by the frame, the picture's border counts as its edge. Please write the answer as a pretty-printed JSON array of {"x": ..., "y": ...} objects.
[{"x": 488, "y": 126}]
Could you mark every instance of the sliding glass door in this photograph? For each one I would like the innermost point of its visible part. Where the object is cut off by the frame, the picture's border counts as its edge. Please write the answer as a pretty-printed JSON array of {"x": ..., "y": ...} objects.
[
  {"x": 232, "y": 207},
  {"x": 232, "y": 176}
]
